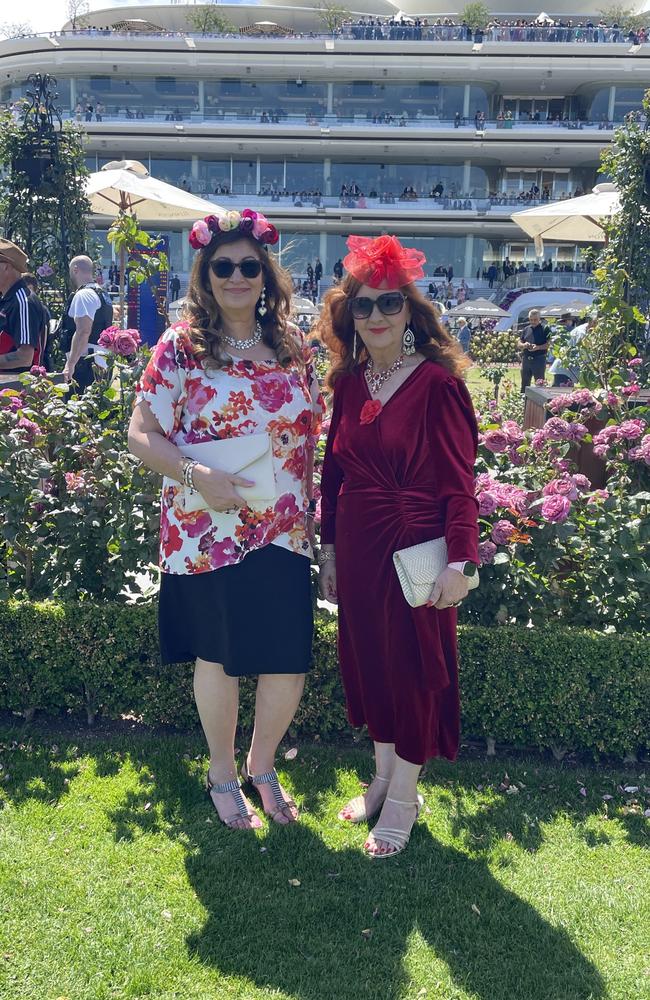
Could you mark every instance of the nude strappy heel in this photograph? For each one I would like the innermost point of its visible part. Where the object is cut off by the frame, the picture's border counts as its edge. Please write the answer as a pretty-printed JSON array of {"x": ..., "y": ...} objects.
[
  {"x": 271, "y": 778},
  {"x": 397, "y": 839},
  {"x": 358, "y": 806},
  {"x": 233, "y": 786}
]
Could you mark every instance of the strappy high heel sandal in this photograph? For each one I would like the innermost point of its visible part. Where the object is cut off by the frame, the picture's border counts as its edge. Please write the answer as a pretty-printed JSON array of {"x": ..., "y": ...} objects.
[
  {"x": 357, "y": 806},
  {"x": 397, "y": 839},
  {"x": 234, "y": 787},
  {"x": 271, "y": 778}
]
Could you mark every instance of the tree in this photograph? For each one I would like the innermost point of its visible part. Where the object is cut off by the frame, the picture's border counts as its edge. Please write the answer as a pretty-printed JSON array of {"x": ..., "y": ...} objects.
[
  {"x": 77, "y": 11},
  {"x": 333, "y": 15},
  {"x": 14, "y": 29},
  {"x": 42, "y": 201},
  {"x": 476, "y": 16},
  {"x": 618, "y": 13},
  {"x": 210, "y": 21}
]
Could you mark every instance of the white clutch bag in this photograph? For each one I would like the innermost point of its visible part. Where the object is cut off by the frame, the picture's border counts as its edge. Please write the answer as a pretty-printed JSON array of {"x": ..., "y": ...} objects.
[
  {"x": 249, "y": 456},
  {"x": 418, "y": 568}
]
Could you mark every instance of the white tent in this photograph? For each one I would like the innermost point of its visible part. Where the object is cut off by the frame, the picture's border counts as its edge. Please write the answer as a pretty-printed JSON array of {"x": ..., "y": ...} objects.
[{"x": 577, "y": 220}]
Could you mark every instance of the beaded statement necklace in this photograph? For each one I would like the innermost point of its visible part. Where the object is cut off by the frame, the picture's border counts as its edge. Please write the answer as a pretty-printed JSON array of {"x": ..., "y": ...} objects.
[
  {"x": 244, "y": 345},
  {"x": 376, "y": 379}
]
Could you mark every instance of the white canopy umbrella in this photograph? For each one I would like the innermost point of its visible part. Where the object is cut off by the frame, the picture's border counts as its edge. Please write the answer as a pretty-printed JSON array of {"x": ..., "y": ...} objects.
[
  {"x": 478, "y": 307},
  {"x": 543, "y": 18},
  {"x": 126, "y": 187},
  {"x": 577, "y": 220},
  {"x": 303, "y": 307}
]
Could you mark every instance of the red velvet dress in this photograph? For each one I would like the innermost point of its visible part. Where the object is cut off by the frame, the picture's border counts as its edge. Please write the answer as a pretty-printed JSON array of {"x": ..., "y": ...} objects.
[{"x": 404, "y": 478}]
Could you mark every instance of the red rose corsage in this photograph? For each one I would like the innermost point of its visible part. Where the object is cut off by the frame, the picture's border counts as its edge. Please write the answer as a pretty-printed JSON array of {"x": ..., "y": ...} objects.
[{"x": 370, "y": 411}]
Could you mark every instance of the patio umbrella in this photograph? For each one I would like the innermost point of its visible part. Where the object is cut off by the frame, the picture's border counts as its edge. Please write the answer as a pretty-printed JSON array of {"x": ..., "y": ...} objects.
[
  {"x": 125, "y": 187},
  {"x": 578, "y": 220},
  {"x": 303, "y": 307},
  {"x": 560, "y": 308},
  {"x": 478, "y": 307}
]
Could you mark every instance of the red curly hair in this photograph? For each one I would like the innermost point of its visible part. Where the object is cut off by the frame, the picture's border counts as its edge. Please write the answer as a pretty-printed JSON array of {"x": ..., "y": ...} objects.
[{"x": 335, "y": 328}]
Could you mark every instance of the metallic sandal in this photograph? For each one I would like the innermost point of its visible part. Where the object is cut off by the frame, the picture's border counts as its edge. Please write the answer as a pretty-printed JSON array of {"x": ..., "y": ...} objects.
[
  {"x": 271, "y": 778},
  {"x": 357, "y": 806},
  {"x": 397, "y": 839},
  {"x": 234, "y": 787}
]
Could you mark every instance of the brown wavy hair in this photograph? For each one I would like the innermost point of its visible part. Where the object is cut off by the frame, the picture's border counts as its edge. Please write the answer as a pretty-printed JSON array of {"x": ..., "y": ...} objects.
[
  {"x": 335, "y": 327},
  {"x": 201, "y": 310}
]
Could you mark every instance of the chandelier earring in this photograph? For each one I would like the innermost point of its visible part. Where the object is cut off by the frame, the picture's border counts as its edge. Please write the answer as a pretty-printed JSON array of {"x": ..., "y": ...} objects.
[
  {"x": 355, "y": 346},
  {"x": 261, "y": 305},
  {"x": 408, "y": 341}
]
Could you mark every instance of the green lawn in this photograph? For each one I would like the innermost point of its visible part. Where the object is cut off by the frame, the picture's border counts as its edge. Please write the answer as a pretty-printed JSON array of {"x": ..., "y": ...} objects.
[{"x": 116, "y": 881}]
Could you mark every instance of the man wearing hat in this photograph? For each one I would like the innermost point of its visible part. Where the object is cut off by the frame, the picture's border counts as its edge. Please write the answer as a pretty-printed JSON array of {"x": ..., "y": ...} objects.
[{"x": 21, "y": 316}]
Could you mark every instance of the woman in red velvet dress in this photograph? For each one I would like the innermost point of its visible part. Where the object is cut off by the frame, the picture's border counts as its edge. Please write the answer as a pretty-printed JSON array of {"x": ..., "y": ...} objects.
[{"x": 398, "y": 471}]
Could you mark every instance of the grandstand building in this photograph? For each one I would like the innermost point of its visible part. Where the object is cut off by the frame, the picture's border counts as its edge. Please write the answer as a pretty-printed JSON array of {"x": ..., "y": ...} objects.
[{"x": 411, "y": 124}]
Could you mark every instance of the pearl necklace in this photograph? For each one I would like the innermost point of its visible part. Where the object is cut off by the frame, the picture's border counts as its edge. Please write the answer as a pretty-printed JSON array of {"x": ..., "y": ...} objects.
[
  {"x": 243, "y": 345},
  {"x": 376, "y": 379}
]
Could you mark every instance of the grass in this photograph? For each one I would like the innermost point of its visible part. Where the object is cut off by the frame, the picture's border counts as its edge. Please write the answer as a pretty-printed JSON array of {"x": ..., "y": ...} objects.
[{"x": 117, "y": 881}]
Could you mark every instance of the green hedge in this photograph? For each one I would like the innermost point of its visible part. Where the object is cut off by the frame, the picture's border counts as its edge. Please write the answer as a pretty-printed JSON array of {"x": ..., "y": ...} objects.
[{"x": 542, "y": 687}]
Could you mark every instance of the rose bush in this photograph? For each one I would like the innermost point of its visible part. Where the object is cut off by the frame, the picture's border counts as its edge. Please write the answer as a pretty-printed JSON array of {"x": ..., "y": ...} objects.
[
  {"x": 551, "y": 545},
  {"x": 78, "y": 512}
]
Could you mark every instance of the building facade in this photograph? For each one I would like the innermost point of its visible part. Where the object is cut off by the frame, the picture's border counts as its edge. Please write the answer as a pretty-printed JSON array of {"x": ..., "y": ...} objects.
[{"x": 422, "y": 129}]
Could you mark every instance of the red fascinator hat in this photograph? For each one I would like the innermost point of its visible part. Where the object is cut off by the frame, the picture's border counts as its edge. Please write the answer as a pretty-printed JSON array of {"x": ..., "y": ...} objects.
[{"x": 383, "y": 260}]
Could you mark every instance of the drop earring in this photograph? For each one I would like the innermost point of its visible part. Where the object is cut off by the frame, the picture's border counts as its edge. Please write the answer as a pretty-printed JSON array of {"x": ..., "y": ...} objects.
[
  {"x": 355, "y": 346},
  {"x": 261, "y": 305},
  {"x": 408, "y": 341}
]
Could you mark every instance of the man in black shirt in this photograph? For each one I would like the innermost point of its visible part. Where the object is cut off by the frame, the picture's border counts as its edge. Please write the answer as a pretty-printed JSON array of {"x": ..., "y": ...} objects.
[
  {"x": 21, "y": 315},
  {"x": 533, "y": 345}
]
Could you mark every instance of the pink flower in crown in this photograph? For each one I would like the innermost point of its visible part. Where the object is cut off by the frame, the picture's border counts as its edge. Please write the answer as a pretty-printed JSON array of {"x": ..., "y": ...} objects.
[{"x": 200, "y": 235}]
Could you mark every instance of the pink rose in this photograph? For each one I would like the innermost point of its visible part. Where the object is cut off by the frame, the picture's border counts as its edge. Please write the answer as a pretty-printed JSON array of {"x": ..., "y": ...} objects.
[
  {"x": 630, "y": 390},
  {"x": 513, "y": 432},
  {"x": 107, "y": 338},
  {"x": 556, "y": 429},
  {"x": 538, "y": 439},
  {"x": 598, "y": 496},
  {"x": 635, "y": 363},
  {"x": 200, "y": 235},
  {"x": 577, "y": 431},
  {"x": 487, "y": 503},
  {"x": 582, "y": 482},
  {"x": 495, "y": 441},
  {"x": 486, "y": 552},
  {"x": 556, "y": 508},
  {"x": 561, "y": 488},
  {"x": 612, "y": 400},
  {"x": 502, "y": 532},
  {"x": 483, "y": 481},
  {"x": 29, "y": 428},
  {"x": 629, "y": 430},
  {"x": 124, "y": 344}
]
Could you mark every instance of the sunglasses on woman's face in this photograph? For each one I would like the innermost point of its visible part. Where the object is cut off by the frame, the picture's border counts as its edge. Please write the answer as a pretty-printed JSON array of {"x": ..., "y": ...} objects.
[
  {"x": 389, "y": 304},
  {"x": 223, "y": 267}
]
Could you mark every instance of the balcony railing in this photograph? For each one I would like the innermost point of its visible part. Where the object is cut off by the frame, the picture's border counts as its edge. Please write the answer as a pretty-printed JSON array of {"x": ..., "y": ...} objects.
[
  {"x": 497, "y": 205},
  {"x": 397, "y": 32},
  {"x": 548, "y": 279},
  {"x": 283, "y": 120}
]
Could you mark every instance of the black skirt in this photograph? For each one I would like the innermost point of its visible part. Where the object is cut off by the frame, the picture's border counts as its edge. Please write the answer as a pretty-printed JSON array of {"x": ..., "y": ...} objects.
[{"x": 255, "y": 617}]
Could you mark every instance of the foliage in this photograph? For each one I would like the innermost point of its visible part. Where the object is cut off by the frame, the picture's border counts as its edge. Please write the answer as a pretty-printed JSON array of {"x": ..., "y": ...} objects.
[
  {"x": 14, "y": 29},
  {"x": 624, "y": 16},
  {"x": 551, "y": 544},
  {"x": 78, "y": 512},
  {"x": 333, "y": 14},
  {"x": 476, "y": 15},
  {"x": 209, "y": 20},
  {"x": 42, "y": 200},
  {"x": 494, "y": 351},
  {"x": 622, "y": 268},
  {"x": 537, "y": 687},
  {"x": 77, "y": 11}
]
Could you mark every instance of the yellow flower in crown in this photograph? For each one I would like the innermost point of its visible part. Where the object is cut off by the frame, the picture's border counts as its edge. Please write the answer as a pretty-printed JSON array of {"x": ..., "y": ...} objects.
[{"x": 229, "y": 221}]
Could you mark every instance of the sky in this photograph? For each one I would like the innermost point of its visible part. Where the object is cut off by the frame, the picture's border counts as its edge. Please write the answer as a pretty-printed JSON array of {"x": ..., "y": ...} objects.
[{"x": 43, "y": 15}]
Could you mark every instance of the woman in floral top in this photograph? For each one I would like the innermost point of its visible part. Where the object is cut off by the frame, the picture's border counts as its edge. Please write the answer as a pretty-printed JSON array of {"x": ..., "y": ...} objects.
[{"x": 235, "y": 591}]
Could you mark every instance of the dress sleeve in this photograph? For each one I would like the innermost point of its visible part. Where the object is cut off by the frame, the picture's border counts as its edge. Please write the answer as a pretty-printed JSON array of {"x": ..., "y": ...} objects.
[
  {"x": 332, "y": 476},
  {"x": 453, "y": 439},
  {"x": 162, "y": 381}
]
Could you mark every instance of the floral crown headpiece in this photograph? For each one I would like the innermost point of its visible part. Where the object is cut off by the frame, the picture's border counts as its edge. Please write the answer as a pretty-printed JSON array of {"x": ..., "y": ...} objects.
[
  {"x": 248, "y": 223},
  {"x": 383, "y": 260}
]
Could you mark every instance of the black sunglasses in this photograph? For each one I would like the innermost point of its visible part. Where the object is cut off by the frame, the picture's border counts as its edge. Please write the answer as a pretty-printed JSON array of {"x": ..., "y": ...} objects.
[
  {"x": 223, "y": 267},
  {"x": 389, "y": 304}
]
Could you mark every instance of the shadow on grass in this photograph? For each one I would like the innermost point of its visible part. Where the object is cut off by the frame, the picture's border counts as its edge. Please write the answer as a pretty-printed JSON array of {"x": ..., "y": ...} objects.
[{"x": 307, "y": 940}]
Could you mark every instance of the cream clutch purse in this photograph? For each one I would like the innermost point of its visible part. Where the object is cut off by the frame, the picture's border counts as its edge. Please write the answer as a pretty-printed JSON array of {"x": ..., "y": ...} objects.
[
  {"x": 250, "y": 456},
  {"x": 418, "y": 568}
]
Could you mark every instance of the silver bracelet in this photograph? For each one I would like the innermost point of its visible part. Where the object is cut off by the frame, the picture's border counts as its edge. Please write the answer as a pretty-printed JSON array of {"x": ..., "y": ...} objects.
[
  {"x": 325, "y": 555},
  {"x": 188, "y": 473}
]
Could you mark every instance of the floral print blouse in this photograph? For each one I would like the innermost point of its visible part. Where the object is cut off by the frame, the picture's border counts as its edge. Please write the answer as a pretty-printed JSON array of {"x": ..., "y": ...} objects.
[{"x": 192, "y": 405}]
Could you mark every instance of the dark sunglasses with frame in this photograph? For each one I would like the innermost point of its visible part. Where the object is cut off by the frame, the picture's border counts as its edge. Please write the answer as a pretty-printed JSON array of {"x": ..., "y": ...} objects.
[
  {"x": 224, "y": 268},
  {"x": 388, "y": 303}
]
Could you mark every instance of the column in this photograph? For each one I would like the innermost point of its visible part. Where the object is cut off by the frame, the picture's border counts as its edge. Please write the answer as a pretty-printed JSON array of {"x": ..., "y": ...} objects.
[
  {"x": 330, "y": 100},
  {"x": 202, "y": 97},
  {"x": 466, "y": 101},
  {"x": 195, "y": 166},
  {"x": 185, "y": 250},
  {"x": 327, "y": 182},
  {"x": 612, "y": 102},
  {"x": 467, "y": 173},
  {"x": 73, "y": 95},
  {"x": 469, "y": 255},
  {"x": 322, "y": 252},
  {"x": 258, "y": 175}
]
